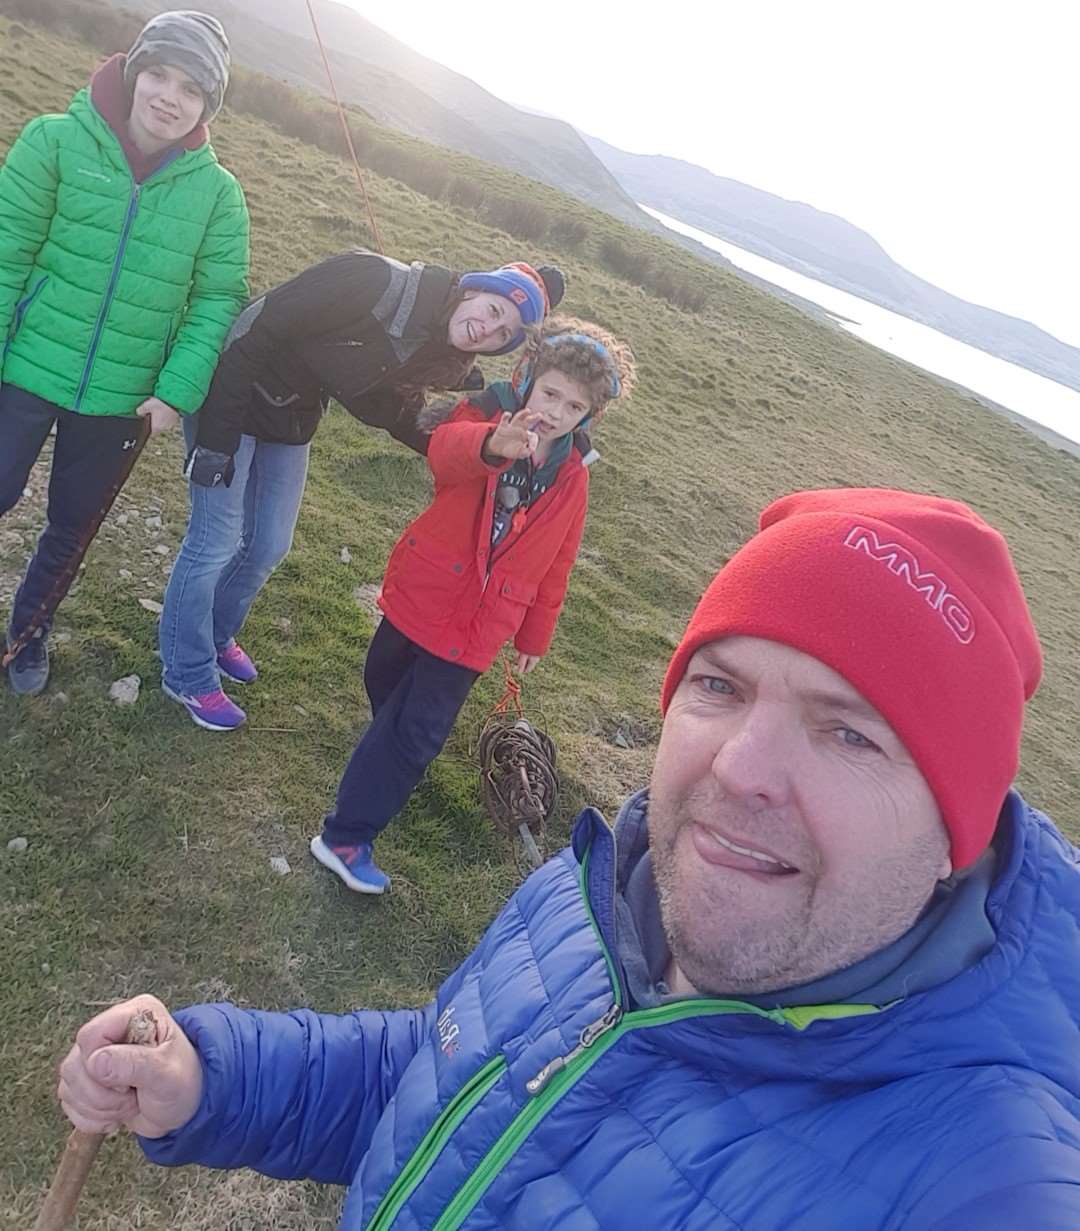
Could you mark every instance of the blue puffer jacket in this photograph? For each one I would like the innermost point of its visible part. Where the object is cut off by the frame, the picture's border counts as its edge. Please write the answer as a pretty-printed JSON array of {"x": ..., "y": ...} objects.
[{"x": 526, "y": 1098}]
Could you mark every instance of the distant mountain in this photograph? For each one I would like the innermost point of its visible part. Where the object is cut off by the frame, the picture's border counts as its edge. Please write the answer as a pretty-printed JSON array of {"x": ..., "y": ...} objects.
[
  {"x": 831, "y": 250},
  {"x": 402, "y": 89}
]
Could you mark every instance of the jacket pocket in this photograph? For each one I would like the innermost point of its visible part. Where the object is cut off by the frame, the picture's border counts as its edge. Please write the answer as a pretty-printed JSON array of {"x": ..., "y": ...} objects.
[
  {"x": 424, "y": 582},
  {"x": 281, "y": 415},
  {"x": 24, "y": 305},
  {"x": 170, "y": 337},
  {"x": 284, "y": 398},
  {"x": 506, "y": 604}
]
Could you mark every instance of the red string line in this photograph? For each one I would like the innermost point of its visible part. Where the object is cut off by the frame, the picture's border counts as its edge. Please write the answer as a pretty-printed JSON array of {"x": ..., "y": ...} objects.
[{"x": 345, "y": 129}]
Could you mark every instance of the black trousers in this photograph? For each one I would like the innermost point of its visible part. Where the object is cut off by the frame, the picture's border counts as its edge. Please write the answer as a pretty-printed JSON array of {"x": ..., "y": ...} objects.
[
  {"x": 93, "y": 453},
  {"x": 415, "y": 700}
]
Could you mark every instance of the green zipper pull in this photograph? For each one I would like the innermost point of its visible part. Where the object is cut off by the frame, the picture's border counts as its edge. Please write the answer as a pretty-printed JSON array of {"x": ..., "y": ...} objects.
[{"x": 587, "y": 1038}]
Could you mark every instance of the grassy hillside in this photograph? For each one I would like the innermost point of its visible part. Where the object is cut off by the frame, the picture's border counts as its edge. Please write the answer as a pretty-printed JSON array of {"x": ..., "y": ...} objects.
[{"x": 149, "y": 840}]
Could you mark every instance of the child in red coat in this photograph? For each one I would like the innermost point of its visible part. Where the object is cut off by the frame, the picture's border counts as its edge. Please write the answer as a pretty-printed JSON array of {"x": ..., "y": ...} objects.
[{"x": 486, "y": 563}]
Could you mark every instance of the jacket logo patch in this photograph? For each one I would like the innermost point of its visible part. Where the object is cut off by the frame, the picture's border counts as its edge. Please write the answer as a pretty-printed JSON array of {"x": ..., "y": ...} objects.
[
  {"x": 95, "y": 175},
  {"x": 448, "y": 1033},
  {"x": 935, "y": 591}
]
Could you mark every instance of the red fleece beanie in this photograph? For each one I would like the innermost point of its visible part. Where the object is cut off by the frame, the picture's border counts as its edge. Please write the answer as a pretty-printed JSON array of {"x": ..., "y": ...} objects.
[{"x": 914, "y": 600}]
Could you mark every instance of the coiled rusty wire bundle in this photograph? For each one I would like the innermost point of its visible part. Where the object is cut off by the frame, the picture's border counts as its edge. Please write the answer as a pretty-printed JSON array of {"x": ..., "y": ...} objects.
[{"x": 518, "y": 778}]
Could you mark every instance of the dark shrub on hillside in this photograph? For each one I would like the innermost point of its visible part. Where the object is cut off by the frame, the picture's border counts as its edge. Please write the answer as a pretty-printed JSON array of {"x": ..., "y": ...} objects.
[
  {"x": 104, "y": 28},
  {"x": 625, "y": 261},
  {"x": 47, "y": 12},
  {"x": 678, "y": 289},
  {"x": 333, "y": 223},
  {"x": 108, "y": 29},
  {"x": 519, "y": 216},
  {"x": 427, "y": 177},
  {"x": 252, "y": 92},
  {"x": 408, "y": 166},
  {"x": 464, "y": 192},
  {"x": 280, "y": 105},
  {"x": 570, "y": 232},
  {"x": 312, "y": 127}
]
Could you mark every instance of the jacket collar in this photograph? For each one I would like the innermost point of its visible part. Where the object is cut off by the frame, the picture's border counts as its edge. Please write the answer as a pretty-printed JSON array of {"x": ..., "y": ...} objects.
[
  {"x": 1026, "y": 842},
  {"x": 413, "y": 301},
  {"x": 593, "y": 843}
]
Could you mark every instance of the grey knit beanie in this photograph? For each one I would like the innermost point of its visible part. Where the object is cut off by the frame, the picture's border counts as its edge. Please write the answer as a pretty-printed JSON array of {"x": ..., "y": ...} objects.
[{"x": 193, "y": 42}]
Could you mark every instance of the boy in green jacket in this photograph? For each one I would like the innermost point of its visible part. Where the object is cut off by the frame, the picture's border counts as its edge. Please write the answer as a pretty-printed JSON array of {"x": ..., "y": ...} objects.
[{"x": 123, "y": 262}]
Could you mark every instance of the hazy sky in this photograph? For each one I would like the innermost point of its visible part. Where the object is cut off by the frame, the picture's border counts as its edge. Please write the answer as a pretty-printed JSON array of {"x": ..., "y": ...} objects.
[{"x": 947, "y": 129}]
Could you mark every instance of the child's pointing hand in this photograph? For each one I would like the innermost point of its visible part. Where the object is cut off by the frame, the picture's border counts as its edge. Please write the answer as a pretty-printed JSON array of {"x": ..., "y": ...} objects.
[{"x": 514, "y": 437}]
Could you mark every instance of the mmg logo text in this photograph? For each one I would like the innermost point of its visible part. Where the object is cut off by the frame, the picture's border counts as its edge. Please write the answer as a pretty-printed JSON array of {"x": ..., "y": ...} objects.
[{"x": 934, "y": 590}]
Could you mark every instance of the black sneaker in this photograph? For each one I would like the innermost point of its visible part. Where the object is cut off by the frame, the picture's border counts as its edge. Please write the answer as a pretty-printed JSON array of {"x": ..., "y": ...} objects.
[{"x": 28, "y": 671}]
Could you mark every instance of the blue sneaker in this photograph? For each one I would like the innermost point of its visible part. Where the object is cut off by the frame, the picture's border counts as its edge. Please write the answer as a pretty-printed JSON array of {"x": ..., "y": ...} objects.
[
  {"x": 233, "y": 662},
  {"x": 213, "y": 711},
  {"x": 355, "y": 865},
  {"x": 28, "y": 671}
]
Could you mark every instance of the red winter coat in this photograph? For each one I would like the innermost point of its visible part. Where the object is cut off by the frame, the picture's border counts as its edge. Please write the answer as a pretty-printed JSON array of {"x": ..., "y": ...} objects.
[{"x": 438, "y": 590}]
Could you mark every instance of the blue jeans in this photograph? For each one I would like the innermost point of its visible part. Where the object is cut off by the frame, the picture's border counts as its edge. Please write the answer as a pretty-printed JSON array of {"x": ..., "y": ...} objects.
[{"x": 237, "y": 536}]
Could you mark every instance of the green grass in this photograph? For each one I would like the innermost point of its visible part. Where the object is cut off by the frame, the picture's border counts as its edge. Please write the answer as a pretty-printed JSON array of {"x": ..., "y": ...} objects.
[{"x": 149, "y": 840}]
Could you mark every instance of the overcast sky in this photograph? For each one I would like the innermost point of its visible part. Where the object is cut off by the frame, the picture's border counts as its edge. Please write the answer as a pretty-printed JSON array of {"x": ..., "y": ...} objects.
[{"x": 947, "y": 129}]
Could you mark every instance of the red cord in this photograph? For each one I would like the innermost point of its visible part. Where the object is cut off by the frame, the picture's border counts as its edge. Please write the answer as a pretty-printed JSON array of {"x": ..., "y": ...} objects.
[
  {"x": 511, "y": 693},
  {"x": 345, "y": 130}
]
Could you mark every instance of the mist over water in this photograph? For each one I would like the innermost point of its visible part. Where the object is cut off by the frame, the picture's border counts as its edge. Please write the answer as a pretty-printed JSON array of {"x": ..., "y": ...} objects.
[{"x": 1035, "y": 397}]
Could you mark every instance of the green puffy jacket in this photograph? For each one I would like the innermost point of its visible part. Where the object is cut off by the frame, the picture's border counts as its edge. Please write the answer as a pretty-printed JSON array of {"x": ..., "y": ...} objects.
[{"x": 112, "y": 291}]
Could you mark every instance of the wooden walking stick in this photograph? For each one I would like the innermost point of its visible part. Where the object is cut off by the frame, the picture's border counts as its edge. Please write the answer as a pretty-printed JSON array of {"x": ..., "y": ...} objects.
[{"x": 82, "y": 1148}]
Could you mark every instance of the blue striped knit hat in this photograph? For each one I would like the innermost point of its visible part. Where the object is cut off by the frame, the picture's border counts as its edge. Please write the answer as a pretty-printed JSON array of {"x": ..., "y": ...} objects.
[{"x": 533, "y": 293}]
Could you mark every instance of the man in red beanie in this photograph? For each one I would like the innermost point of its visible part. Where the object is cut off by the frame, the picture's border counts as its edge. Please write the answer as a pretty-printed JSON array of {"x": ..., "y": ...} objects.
[
  {"x": 825, "y": 972},
  {"x": 842, "y": 719}
]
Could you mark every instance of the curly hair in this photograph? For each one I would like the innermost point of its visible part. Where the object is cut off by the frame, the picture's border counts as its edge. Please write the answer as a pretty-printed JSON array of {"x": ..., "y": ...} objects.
[{"x": 585, "y": 353}]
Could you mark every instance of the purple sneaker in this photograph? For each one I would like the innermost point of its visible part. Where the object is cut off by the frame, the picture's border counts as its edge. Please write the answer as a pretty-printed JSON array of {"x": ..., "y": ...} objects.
[
  {"x": 211, "y": 710},
  {"x": 236, "y": 665},
  {"x": 355, "y": 865}
]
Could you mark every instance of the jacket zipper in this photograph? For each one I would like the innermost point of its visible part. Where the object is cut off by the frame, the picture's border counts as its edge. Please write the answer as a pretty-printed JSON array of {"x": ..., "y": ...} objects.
[
  {"x": 560, "y": 1075},
  {"x": 508, "y": 546},
  {"x": 546, "y": 1088},
  {"x": 535, "y": 1085},
  {"x": 118, "y": 260},
  {"x": 425, "y": 1154},
  {"x": 110, "y": 290},
  {"x": 446, "y": 1123}
]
